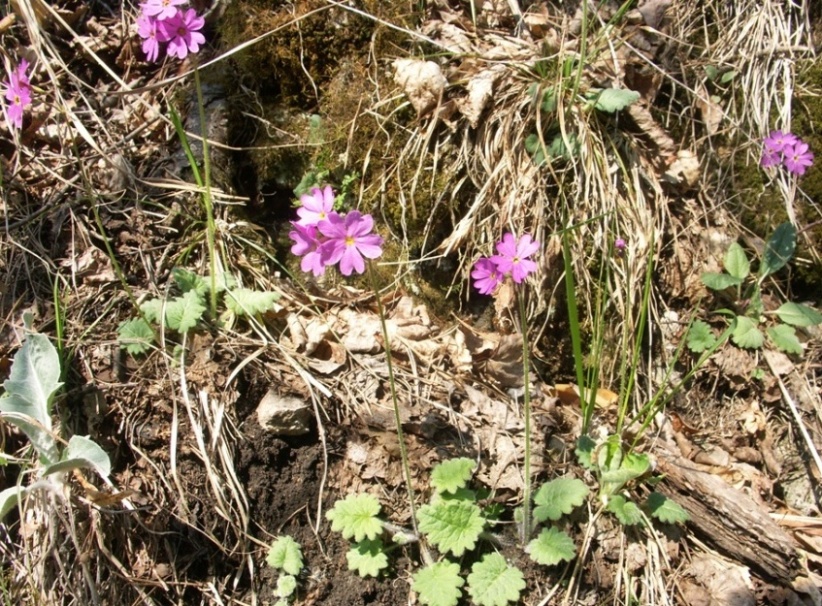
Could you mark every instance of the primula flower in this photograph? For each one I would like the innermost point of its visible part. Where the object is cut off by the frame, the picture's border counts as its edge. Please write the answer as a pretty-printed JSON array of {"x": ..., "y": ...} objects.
[
  {"x": 486, "y": 276},
  {"x": 161, "y": 9},
  {"x": 18, "y": 94},
  {"x": 348, "y": 240},
  {"x": 770, "y": 158},
  {"x": 316, "y": 207},
  {"x": 307, "y": 246},
  {"x": 513, "y": 256},
  {"x": 152, "y": 35},
  {"x": 798, "y": 157},
  {"x": 779, "y": 140},
  {"x": 182, "y": 31}
]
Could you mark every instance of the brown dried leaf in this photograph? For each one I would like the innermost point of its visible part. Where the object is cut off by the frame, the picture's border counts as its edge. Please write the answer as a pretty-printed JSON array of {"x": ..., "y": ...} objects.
[{"x": 422, "y": 82}]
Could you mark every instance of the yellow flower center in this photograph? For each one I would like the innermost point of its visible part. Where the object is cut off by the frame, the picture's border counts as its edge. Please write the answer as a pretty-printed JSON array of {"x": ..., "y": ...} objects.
[{"x": 349, "y": 241}]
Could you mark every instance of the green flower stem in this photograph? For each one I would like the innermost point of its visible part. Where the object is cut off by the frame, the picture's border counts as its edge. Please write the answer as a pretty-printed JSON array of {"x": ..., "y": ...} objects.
[
  {"x": 526, "y": 366},
  {"x": 406, "y": 469}
]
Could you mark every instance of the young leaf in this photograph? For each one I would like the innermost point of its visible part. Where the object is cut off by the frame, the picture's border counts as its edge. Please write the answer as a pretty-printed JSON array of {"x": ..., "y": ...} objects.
[
  {"x": 559, "y": 497},
  {"x": 626, "y": 511},
  {"x": 285, "y": 554},
  {"x": 135, "y": 336},
  {"x": 534, "y": 147},
  {"x": 439, "y": 584},
  {"x": 585, "y": 452},
  {"x": 779, "y": 249},
  {"x": 797, "y": 314},
  {"x": 784, "y": 337},
  {"x": 82, "y": 452},
  {"x": 492, "y": 582},
  {"x": 356, "y": 516},
  {"x": 746, "y": 334},
  {"x": 631, "y": 467},
  {"x": 367, "y": 558},
  {"x": 614, "y": 99},
  {"x": 247, "y": 302},
  {"x": 451, "y": 525},
  {"x": 736, "y": 262},
  {"x": 152, "y": 310},
  {"x": 551, "y": 547},
  {"x": 286, "y": 586},
  {"x": 558, "y": 149},
  {"x": 700, "y": 337},
  {"x": 721, "y": 281},
  {"x": 187, "y": 280},
  {"x": 183, "y": 313},
  {"x": 665, "y": 510},
  {"x": 451, "y": 475}
]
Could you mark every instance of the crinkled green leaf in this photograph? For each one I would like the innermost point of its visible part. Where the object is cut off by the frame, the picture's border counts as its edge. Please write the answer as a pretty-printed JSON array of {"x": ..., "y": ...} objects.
[
  {"x": 451, "y": 525},
  {"x": 779, "y": 249},
  {"x": 285, "y": 554},
  {"x": 558, "y": 149},
  {"x": 152, "y": 310},
  {"x": 719, "y": 281},
  {"x": 82, "y": 452},
  {"x": 450, "y": 476},
  {"x": 534, "y": 147},
  {"x": 551, "y": 547},
  {"x": 700, "y": 336},
  {"x": 356, "y": 517},
  {"x": 631, "y": 466},
  {"x": 492, "y": 582},
  {"x": 135, "y": 336},
  {"x": 439, "y": 584},
  {"x": 183, "y": 313},
  {"x": 367, "y": 558},
  {"x": 784, "y": 337},
  {"x": 585, "y": 452},
  {"x": 187, "y": 280},
  {"x": 286, "y": 586},
  {"x": 736, "y": 262},
  {"x": 559, "y": 497},
  {"x": 665, "y": 510},
  {"x": 626, "y": 511},
  {"x": 247, "y": 302},
  {"x": 797, "y": 314},
  {"x": 746, "y": 334},
  {"x": 615, "y": 99}
]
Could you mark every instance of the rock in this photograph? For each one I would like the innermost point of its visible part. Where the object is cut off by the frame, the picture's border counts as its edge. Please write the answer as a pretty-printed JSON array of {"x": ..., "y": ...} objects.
[{"x": 284, "y": 415}]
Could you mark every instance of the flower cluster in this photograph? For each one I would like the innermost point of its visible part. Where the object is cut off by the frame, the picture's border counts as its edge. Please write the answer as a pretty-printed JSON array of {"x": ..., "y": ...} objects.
[
  {"x": 323, "y": 237},
  {"x": 161, "y": 21},
  {"x": 511, "y": 260},
  {"x": 18, "y": 93},
  {"x": 788, "y": 149}
]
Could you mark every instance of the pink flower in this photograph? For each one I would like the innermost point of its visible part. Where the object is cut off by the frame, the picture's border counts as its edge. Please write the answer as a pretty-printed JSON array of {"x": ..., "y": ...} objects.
[
  {"x": 486, "y": 276},
  {"x": 779, "y": 140},
  {"x": 798, "y": 157},
  {"x": 307, "y": 246},
  {"x": 770, "y": 158},
  {"x": 152, "y": 36},
  {"x": 349, "y": 239},
  {"x": 18, "y": 94},
  {"x": 316, "y": 207},
  {"x": 161, "y": 9},
  {"x": 513, "y": 256},
  {"x": 183, "y": 33}
]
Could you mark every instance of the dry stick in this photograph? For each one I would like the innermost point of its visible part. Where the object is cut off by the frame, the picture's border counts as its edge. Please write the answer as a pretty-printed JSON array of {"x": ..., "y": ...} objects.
[{"x": 526, "y": 364}]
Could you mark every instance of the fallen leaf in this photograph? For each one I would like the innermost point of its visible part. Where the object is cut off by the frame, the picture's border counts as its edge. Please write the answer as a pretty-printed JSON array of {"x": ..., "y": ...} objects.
[{"x": 422, "y": 82}]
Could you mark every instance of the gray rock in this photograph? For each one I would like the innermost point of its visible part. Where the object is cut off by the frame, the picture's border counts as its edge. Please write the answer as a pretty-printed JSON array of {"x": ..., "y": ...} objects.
[{"x": 284, "y": 415}]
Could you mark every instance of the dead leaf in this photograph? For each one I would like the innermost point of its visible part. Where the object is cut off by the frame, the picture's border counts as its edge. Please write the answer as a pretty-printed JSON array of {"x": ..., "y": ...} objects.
[
  {"x": 480, "y": 93},
  {"x": 724, "y": 584},
  {"x": 422, "y": 82},
  {"x": 712, "y": 113},
  {"x": 505, "y": 364},
  {"x": 569, "y": 395}
]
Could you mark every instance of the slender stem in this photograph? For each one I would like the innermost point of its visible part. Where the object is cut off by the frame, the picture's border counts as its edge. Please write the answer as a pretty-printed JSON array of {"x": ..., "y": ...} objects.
[
  {"x": 406, "y": 469},
  {"x": 526, "y": 366}
]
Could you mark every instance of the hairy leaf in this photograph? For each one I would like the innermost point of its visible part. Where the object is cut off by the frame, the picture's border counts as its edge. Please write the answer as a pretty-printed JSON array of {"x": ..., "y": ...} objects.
[
  {"x": 700, "y": 337},
  {"x": 247, "y": 302},
  {"x": 356, "y": 517},
  {"x": 451, "y": 475},
  {"x": 367, "y": 558},
  {"x": 9, "y": 498},
  {"x": 614, "y": 99},
  {"x": 797, "y": 314},
  {"x": 135, "y": 336},
  {"x": 626, "y": 511},
  {"x": 285, "y": 554},
  {"x": 631, "y": 466},
  {"x": 187, "y": 280},
  {"x": 82, "y": 452},
  {"x": 746, "y": 334},
  {"x": 286, "y": 586},
  {"x": 551, "y": 547},
  {"x": 736, "y": 262},
  {"x": 152, "y": 310},
  {"x": 559, "y": 497},
  {"x": 585, "y": 452},
  {"x": 534, "y": 147},
  {"x": 451, "y": 525},
  {"x": 665, "y": 510},
  {"x": 492, "y": 582},
  {"x": 183, "y": 313},
  {"x": 784, "y": 337},
  {"x": 719, "y": 281},
  {"x": 779, "y": 249},
  {"x": 439, "y": 584}
]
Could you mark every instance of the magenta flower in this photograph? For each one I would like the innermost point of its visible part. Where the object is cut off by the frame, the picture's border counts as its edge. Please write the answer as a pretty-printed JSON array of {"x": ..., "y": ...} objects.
[
  {"x": 798, "y": 157},
  {"x": 486, "y": 276},
  {"x": 779, "y": 140},
  {"x": 316, "y": 207},
  {"x": 182, "y": 31},
  {"x": 770, "y": 158},
  {"x": 152, "y": 35},
  {"x": 18, "y": 94},
  {"x": 349, "y": 239},
  {"x": 513, "y": 256},
  {"x": 307, "y": 245},
  {"x": 161, "y": 9}
]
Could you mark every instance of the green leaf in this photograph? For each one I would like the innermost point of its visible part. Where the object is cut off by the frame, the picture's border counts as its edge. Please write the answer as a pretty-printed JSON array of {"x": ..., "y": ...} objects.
[
  {"x": 286, "y": 586},
  {"x": 451, "y": 525},
  {"x": 797, "y": 314},
  {"x": 721, "y": 281},
  {"x": 152, "y": 310},
  {"x": 712, "y": 72},
  {"x": 736, "y": 262},
  {"x": 626, "y": 511},
  {"x": 187, "y": 281},
  {"x": 135, "y": 336},
  {"x": 728, "y": 76},
  {"x": 665, "y": 510},
  {"x": 451, "y": 475},
  {"x": 356, "y": 517},
  {"x": 746, "y": 334},
  {"x": 585, "y": 452},
  {"x": 631, "y": 467},
  {"x": 551, "y": 547},
  {"x": 439, "y": 584},
  {"x": 285, "y": 554},
  {"x": 9, "y": 498},
  {"x": 614, "y": 99},
  {"x": 367, "y": 558},
  {"x": 557, "y": 148},
  {"x": 183, "y": 313},
  {"x": 700, "y": 337},
  {"x": 784, "y": 337},
  {"x": 559, "y": 497},
  {"x": 247, "y": 302},
  {"x": 779, "y": 249},
  {"x": 549, "y": 100},
  {"x": 82, "y": 452},
  {"x": 534, "y": 147},
  {"x": 492, "y": 582},
  {"x": 33, "y": 380}
]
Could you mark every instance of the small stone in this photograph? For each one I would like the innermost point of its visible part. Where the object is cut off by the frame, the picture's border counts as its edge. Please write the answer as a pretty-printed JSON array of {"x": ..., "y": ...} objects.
[{"x": 284, "y": 415}]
